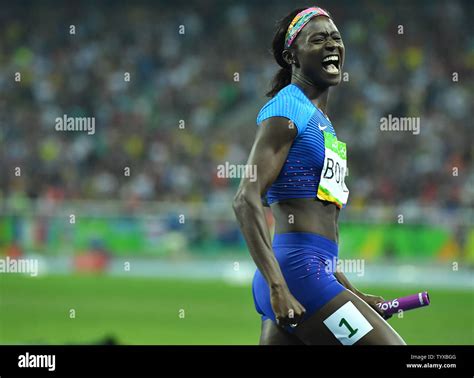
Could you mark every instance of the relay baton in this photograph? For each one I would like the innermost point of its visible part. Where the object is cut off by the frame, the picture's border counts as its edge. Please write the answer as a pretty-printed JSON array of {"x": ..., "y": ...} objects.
[{"x": 409, "y": 302}]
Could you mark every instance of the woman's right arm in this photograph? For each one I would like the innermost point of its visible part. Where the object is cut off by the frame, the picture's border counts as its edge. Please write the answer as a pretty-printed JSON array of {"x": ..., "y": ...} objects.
[{"x": 268, "y": 154}]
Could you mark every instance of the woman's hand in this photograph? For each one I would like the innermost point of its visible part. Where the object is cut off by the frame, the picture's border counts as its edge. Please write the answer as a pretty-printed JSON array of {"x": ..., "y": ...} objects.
[
  {"x": 372, "y": 301},
  {"x": 288, "y": 311}
]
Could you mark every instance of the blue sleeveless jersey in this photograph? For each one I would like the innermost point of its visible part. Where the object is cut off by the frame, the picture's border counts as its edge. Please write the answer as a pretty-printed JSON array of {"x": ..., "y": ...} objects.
[{"x": 299, "y": 176}]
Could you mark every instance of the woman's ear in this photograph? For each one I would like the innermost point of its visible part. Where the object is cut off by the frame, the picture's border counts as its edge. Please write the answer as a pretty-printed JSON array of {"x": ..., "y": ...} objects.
[{"x": 289, "y": 57}]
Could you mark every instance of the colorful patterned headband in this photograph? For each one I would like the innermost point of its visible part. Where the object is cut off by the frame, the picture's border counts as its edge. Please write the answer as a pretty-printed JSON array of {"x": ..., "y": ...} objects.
[{"x": 300, "y": 20}]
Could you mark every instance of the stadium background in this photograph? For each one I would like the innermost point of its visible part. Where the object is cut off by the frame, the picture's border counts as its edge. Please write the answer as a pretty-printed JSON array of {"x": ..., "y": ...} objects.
[{"x": 155, "y": 256}]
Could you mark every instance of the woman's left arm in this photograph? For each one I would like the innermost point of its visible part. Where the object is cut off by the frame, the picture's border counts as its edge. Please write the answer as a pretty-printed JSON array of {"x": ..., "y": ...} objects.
[{"x": 371, "y": 300}]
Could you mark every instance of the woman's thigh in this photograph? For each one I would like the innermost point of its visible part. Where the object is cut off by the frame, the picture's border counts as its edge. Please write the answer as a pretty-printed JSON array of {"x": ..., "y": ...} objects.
[
  {"x": 347, "y": 320},
  {"x": 273, "y": 334}
]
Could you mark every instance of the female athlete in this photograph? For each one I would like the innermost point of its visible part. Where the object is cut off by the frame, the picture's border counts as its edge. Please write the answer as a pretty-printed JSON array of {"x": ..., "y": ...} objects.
[{"x": 301, "y": 166}]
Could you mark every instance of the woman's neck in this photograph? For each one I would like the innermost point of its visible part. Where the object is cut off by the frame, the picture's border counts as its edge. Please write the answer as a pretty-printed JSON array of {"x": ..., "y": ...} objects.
[{"x": 319, "y": 97}]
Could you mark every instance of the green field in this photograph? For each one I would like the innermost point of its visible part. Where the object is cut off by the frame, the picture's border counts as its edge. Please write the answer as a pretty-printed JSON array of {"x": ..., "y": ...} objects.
[{"x": 147, "y": 311}]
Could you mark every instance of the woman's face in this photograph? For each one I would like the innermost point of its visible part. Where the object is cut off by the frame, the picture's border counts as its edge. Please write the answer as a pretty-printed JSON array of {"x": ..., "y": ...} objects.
[{"x": 319, "y": 52}]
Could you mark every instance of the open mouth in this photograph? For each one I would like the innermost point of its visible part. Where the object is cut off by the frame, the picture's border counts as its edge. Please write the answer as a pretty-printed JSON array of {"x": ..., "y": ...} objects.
[{"x": 331, "y": 64}]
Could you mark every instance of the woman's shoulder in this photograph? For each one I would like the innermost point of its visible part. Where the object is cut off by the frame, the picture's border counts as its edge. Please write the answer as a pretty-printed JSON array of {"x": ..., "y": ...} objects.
[{"x": 290, "y": 103}]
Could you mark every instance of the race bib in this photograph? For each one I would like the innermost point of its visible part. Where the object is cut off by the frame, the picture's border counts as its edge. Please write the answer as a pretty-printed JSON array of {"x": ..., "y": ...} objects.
[
  {"x": 332, "y": 187},
  {"x": 348, "y": 324}
]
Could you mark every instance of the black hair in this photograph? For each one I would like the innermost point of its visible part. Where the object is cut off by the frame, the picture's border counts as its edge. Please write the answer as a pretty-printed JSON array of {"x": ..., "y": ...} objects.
[{"x": 283, "y": 76}]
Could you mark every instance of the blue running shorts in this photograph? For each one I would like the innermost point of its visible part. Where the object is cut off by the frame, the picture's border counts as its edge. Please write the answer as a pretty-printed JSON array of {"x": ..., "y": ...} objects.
[{"x": 303, "y": 258}]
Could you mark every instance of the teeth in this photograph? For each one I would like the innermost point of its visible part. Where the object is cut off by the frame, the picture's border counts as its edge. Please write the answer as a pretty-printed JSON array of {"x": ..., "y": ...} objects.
[{"x": 332, "y": 58}]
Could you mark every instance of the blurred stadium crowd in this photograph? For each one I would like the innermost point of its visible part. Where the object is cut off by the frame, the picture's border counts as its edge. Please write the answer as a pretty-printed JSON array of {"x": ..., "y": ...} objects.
[{"x": 183, "y": 58}]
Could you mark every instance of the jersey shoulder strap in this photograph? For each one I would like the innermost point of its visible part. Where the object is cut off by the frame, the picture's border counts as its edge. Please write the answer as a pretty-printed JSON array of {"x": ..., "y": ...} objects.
[{"x": 290, "y": 103}]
